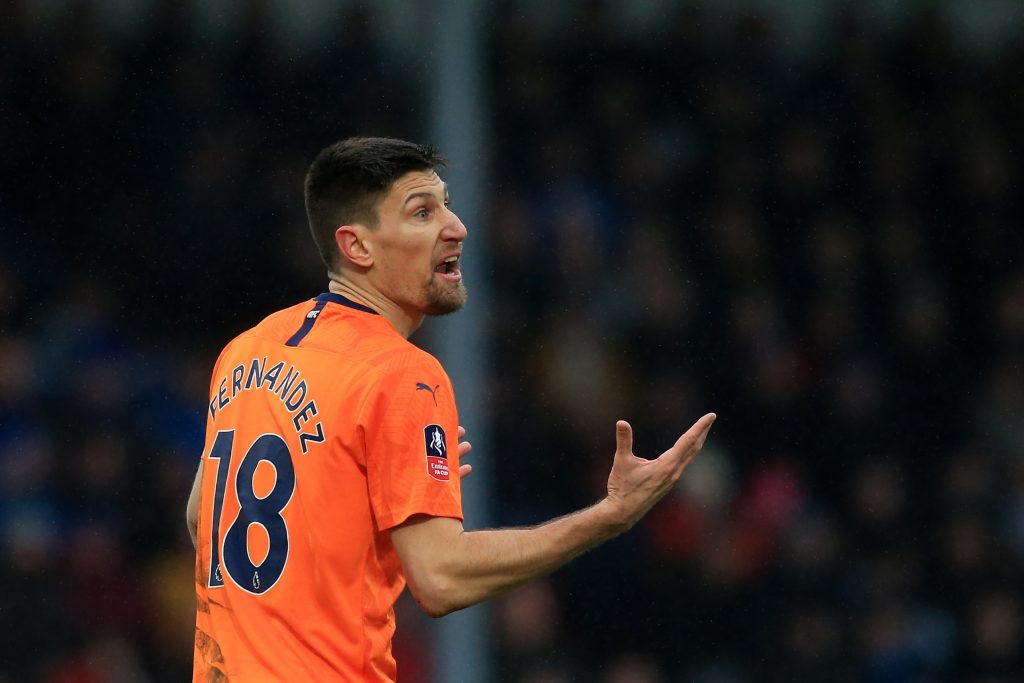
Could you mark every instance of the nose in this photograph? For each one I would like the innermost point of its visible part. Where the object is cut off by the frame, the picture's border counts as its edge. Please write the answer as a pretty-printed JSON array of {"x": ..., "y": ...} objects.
[{"x": 453, "y": 230}]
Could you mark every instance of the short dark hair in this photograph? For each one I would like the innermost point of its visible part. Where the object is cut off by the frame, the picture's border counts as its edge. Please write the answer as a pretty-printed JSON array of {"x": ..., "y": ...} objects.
[{"x": 348, "y": 179}]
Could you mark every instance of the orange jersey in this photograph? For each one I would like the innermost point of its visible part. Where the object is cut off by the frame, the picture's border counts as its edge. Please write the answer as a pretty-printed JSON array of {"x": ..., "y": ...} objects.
[{"x": 325, "y": 429}]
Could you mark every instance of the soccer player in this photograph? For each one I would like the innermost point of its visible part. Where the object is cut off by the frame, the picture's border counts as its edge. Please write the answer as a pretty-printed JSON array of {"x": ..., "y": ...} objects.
[{"x": 331, "y": 477}]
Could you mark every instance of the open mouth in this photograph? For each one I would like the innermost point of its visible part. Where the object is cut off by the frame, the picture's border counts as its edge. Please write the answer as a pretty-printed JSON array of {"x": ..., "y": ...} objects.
[{"x": 449, "y": 268}]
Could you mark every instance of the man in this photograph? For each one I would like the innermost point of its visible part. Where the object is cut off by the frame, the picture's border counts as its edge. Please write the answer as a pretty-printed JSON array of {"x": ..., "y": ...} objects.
[{"x": 331, "y": 473}]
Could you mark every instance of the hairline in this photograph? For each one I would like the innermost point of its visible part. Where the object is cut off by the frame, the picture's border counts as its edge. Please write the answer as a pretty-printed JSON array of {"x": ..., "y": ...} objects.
[{"x": 348, "y": 158}]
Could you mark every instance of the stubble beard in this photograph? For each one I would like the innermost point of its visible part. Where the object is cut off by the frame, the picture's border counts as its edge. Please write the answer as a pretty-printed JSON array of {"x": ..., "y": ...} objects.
[{"x": 445, "y": 298}]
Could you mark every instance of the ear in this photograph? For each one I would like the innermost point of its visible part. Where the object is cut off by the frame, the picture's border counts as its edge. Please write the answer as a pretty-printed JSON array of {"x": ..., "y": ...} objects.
[{"x": 350, "y": 244}]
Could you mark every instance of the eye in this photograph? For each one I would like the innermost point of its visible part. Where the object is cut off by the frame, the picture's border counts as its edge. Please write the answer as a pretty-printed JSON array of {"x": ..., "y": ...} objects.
[{"x": 421, "y": 213}]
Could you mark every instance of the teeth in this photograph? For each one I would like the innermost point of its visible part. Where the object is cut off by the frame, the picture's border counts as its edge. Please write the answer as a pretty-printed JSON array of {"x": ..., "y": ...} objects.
[{"x": 451, "y": 259}]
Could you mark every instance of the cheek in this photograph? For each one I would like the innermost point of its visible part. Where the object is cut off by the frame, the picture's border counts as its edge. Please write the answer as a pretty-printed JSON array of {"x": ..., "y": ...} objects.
[
  {"x": 405, "y": 262},
  {"x": 407, "y": 269}
]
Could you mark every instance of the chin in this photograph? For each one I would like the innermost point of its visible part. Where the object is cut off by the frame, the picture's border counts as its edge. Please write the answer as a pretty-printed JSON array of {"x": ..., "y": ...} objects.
[{"x": 445, "y": 301}]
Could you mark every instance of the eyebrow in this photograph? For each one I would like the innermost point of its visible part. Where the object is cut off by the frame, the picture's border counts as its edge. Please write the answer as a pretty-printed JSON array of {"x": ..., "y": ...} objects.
[{"x": 429, "y": 195}]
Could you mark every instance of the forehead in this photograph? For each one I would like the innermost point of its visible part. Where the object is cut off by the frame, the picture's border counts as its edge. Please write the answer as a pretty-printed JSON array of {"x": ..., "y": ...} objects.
[{"x": 414, "y": 183}]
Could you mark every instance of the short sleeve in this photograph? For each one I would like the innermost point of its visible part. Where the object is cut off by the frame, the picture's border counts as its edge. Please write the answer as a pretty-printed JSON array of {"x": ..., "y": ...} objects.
[{"x": 410, "y": 427}]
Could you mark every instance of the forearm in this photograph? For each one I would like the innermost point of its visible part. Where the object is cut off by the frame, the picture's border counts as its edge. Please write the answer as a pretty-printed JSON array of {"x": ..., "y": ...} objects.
[
  {"x": 192, "y": 522},
  {"x": 192, "y": 508},
  {"x": 449, "y": 568},
  {"x": 468, "y": 567},
  {"x": 496, "y": 560}
]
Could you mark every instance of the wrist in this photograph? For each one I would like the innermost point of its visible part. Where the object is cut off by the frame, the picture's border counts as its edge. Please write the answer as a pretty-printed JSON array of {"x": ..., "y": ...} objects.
[{"x": 611, "y": 518}]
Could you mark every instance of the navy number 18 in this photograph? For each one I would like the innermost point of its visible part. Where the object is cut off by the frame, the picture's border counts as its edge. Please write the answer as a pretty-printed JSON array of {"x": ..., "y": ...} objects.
[{"x": 265, "y": 511}]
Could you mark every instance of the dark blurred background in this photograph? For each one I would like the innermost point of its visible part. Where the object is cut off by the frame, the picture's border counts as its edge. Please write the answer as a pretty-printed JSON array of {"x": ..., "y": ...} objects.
[{"x": 802, "y": 216}]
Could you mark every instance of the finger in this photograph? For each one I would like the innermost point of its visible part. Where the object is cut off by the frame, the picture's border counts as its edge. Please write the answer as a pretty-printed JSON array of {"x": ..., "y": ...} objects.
[
  {"x": 462, "y": 431},
  {"x": 623, "y": 439},
  {"x": 464, "y": 471},
  {"x": 464, "y": 448},
  {"x": 690, "y": 443}
]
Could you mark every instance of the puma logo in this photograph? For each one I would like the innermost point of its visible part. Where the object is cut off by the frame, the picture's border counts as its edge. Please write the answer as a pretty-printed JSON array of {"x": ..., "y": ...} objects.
[{"x": 426, "y": 387}]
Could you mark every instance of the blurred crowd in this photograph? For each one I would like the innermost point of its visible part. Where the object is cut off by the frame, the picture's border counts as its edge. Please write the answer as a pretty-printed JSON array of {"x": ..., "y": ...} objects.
[
  {"x": 821, "y": 245},
  {"x": 825, "y": 249},
  {"x": 151, "y": 209}
]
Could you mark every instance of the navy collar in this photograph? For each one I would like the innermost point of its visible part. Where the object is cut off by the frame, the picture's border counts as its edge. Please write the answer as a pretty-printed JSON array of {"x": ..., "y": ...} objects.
[
  {"x": 311, "y": 317},
  {"x": 331, "y": 297}
]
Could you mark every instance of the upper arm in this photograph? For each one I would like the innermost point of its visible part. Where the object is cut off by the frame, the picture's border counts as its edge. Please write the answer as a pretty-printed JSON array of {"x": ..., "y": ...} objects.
[
  {"x": 192, "y": 508},
  {"x": 410, "y": 432}
]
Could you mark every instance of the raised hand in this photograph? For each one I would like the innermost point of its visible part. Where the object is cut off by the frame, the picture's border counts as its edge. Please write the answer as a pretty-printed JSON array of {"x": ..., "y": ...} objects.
[{"x": 635, "y": 484}]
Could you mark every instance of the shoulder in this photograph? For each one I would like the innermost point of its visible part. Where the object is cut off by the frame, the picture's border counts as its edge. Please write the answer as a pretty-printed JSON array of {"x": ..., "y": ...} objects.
[
  {"x": 226, "y": 351},
  {"x": 411, "y": 362},
  {"x": 282, "y": 323},
  {"x": 276, "y": 323},
  {"x": 414, "y": 356}
]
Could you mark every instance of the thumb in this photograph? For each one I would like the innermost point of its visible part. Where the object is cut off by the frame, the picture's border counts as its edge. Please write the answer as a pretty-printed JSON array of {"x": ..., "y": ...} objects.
[{"x": 623, "y": 439}]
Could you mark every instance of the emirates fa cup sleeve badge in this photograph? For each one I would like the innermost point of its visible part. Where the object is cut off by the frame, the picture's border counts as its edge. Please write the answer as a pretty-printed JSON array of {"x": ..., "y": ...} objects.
[{"x": 437, "y": 452}]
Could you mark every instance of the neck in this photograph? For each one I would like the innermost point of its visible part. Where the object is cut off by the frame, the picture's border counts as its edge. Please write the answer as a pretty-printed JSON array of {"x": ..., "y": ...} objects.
[{"x": 400, "y": 319}]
